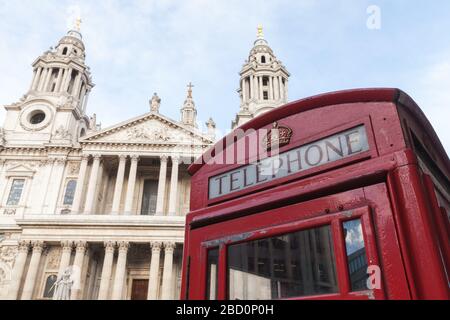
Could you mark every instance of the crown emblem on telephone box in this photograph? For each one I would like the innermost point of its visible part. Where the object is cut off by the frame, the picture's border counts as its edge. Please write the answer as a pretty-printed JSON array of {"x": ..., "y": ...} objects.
[{"x": 277, "y": 137}]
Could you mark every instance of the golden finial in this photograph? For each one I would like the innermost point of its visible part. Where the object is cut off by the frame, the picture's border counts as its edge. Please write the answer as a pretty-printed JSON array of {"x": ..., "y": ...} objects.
[
  {"x": 260, "y": 32},
  {"x": 78, "y": 24},
  {"x": 190, "y": 86}
]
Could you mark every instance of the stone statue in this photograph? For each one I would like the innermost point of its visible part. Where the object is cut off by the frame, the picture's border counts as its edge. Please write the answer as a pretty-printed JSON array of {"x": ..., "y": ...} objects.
[
  {"x": 63, "y": 286},
  {"x": 155, "y": 103}
]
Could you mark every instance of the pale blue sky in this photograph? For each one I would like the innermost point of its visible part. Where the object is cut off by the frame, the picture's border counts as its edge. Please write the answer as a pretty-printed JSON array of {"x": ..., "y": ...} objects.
[{"x": 135, "y": 48}]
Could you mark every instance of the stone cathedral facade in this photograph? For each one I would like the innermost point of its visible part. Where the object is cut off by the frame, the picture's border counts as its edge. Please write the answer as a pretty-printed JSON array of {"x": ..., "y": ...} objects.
[{"x": 106, "y": 205}]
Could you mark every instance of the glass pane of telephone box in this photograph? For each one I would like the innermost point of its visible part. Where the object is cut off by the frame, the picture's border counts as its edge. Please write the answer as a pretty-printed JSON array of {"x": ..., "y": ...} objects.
[{"x": 292, "y": 265}]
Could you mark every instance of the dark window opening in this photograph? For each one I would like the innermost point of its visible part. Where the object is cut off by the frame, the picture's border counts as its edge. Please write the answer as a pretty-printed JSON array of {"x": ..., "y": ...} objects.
[
  {"x": 64, "y": 51},
  {"x": 37, "y": 118},
  {"x": 266, "y": 95},
  {"x": 149, "y": 197},
  {"x": 263, "y": 59},
  {"x": 265, "y": 81},
  {"x": 49, "y": 289}
]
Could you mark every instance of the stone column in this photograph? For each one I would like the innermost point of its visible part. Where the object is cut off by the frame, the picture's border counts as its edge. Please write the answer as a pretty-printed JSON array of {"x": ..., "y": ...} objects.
[
  {"x": 30, "y": 280},
  {"x": 161, "y": 186},
  {"x": 244, "y": 90},
  {"x": 66, "y": 253},
  {"x": 167, "y": 284},
  {"x": 17, "y": 271},
  {"x": 35, "y": 78},
  {"x": 261, "y": 95},
  {"x": 76, "y": 85},
  {"x": 106, "y": 270},
  {"x": 271, "y": 88},
  {"x": 280, "y": 82},
  {"x": 59, "y": 80},
  {"x": 286, "y": 93},
  {"x": 131, "y": 185},
  {"x": 90, "y": 195},
  {"x": 56, "y": 185},
  {"x": 154, "y": 270},
  {"x": 80, "y": 184},
  {"x": 80, "y": 251},
  {"x": 66, "y": 81},
  {"x": 85, "y": 102},
  {"x": 119, "y": 184},
  {"x": 42, "y": 79},
  {"x": 252, "y": 88},
  {"x": 119, "y": 278},
  {"x": 47, "y": 79},
  {"x": 276, "y": 89},
  {"x": 174, "y": 186}
]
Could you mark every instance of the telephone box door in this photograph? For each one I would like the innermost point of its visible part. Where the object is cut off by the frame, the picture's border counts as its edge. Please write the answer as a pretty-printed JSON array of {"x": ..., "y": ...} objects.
[{"x": 326, "y": 248}]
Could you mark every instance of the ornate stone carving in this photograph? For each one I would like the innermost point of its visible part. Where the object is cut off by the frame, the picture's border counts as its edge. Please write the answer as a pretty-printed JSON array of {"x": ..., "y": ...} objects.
[
  {"x": 156, "y": 246},
  {"x": 123, "y": 245},
  {"x": 110, "y": 246},
  {"x": 38, "y": 246},
  {"x": 73, "y": 168},
  {"x": 8, "y": 254},
  {"x": 142, "y": 133},
  {"x": 54, "y": 258},
  {"x": 169, "y": 247},
  {"x": 66, "y": 245},
  {"x": 62, "y": 133}
]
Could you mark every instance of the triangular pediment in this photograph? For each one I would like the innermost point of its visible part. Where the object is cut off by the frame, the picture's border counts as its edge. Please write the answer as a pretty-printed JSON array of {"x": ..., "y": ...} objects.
[{"x": 150, "y": 128}]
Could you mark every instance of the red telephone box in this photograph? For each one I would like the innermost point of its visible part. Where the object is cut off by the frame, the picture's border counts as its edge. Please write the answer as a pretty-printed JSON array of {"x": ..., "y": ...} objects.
[{"x": 344, "y": 195}]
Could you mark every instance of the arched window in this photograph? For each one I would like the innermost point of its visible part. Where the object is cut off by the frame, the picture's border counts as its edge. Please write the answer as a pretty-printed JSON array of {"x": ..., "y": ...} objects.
[
  {"x": 64, "y": 51},
  {"x": 263, "y": 59},
  {"x": 70, "y": 192},
  {"x": 49, "y": 286}
]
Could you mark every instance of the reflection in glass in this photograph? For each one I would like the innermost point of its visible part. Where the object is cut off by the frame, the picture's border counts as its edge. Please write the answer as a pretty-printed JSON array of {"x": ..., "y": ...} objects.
[
  {"x": 356, "y": 254},
  {"x": 211, "y": 284},
  {"x": 293, "y": 265}
]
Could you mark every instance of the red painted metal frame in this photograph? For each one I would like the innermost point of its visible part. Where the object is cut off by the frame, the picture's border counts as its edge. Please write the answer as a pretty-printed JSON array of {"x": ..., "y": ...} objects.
[
  {"x": 371, "y": 153},
  {"x": 408, "y": 233}
]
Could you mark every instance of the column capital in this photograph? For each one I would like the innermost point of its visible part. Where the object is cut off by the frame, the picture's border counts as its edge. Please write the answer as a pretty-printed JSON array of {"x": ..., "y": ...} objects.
[
  {"x": 66, "y": 245},
  {"x": 169, "y": 246},
  {"x": 155, "y": 246},
  {"x": 109, "y": 246},
  {"x": 164, "y": 158},
  {"x": 134, "y": 157},
  {"x": 175, "y": 159},
  {"x": 38, "y": 246},
  {"x": 24, "y": 246},
  {"x": 123, "y": 157},
  {"x": 123, "y": 245},
  {"x": 85, "y": 157},
  {"x": 97, "y": 156},
  {"x": 81, "y": 245}
]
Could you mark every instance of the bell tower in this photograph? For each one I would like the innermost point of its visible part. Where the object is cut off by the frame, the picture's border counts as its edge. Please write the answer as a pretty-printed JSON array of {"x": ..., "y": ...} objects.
[
  {"x": 189, "y": 111},
  {"x": 263, "y": 82},
  {"x": 53, "y": 111}
]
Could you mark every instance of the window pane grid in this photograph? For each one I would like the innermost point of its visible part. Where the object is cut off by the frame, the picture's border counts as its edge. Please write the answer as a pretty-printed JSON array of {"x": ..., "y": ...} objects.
[{"x": 15, "y": 192}]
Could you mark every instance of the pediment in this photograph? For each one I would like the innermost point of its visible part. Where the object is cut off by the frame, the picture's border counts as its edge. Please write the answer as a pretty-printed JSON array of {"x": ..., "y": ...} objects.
[
  {"x": 151, "y": 128},
  {"x": 20, "y": 170}
]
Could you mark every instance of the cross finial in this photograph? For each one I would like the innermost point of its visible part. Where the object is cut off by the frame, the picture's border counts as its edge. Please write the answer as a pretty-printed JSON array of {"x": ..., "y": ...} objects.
[
  {"x": 190, "y": 86},
  {"x": 78, "y": 22},
  {"x": 260, "y": 32}
]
